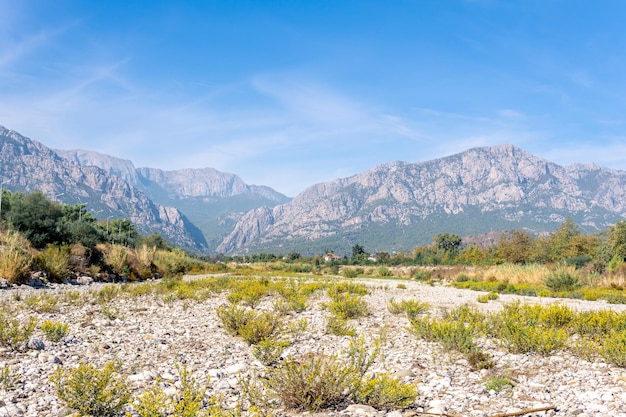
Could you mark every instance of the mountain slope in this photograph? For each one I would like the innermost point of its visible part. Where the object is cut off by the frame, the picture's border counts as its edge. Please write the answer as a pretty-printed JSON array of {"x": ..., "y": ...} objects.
[
  {"x": 397, "y": 205},
  {"x": 27, "y": 165},
  {"x": 211, "y": 199}
]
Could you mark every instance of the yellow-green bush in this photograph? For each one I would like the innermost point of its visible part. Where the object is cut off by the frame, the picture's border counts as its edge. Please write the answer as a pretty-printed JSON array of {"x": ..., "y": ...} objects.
[
  {"x": 13, "y": 333},
  {"x": 339, "y": 326},
  {"x": 251, "y": 326},
  {"x": 383, "y": 391},
  {"x": 347, "y": 288},
  {"x": 412, "y": 308},
  {"x": 116, "y": 256},
  {"x": 313, "y": 382},
  {"x": 92, "y": 391},
  {"x": 55, "y": 260},
  {"x": 518, "y": 337},
  {"x": 55, "y": 330},
  {"x": 613, "y": 348},
  {"x": 348, "y": 306},
  {"x": 249, "y": 292}
]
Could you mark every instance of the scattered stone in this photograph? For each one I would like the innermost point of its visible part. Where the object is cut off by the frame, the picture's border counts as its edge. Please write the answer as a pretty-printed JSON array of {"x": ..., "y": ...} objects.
[
  {"x": 149, "y": 340},
  {"x": 35, "y": 343}
]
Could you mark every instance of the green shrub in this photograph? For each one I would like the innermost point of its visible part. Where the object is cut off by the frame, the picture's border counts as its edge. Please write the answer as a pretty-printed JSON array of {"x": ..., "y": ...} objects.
[
  {"x": 108, "y": 293},
  {"x": 613, "y": 348},
  {"x": 616, "y": 298},
  {"x": 349, "y": 272},
  {"x": 394, "y": 307},
  {"x": 42, "y": 303},
  {"x": 249, "y": 292},
  {"x": 339, "y": 326},
  {"x": 312, "y": 383},
  {"x": 234, "y": 317},
  {"x": 55, "y": 330},
  {"x": 483, "y": 298},
  {"x": 189, "y": 401},
  {"x": 348, "y": 306},
  {"x": 598, "y": 323},
  {"x": 453, "y": 335},
  {"x": 251, "y": 326},
  {"x": 347, "y": 288},
  {"x": 563, "y": 279},
  {"x": 499, "y": 383},
  {"x": 521, "y": 338},
  {"x": 91, "y": 391},
  {"x": 478, "y": 360},
  {"x": 383, "y": 271},
  {"x": 8, "y": 379},
  {"x": 401, "y": 286},
  {"x": 360, "y": 357},
  {"x": 55, "y": 260},
  {"x": 488, "y": 297},
  {"x": 384, "y": 392},
  {"x": 412, "y": 308},
  {"x": 13, "y": 333},
  {"x": 153, "y": 402},
  {"x": 269, "y": 350}
]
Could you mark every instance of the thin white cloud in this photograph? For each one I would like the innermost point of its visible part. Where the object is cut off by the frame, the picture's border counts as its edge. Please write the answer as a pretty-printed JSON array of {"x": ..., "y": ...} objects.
[
  {"x": 511, "y": 114},
  {"x": 309, "y": 101},
  {"x": 17, "y": 50}
]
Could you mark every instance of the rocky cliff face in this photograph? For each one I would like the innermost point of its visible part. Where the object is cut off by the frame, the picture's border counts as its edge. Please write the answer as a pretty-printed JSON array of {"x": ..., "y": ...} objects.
[
  {"x": 211, "y": 199},
  {"x": 177, "y": 184},
  {"x": 399, "y": 204},
  {"x": 27, "y": 165}
]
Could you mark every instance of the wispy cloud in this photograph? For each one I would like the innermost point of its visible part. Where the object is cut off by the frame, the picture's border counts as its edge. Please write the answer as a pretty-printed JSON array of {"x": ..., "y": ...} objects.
[{"x": 14, "y": 51}]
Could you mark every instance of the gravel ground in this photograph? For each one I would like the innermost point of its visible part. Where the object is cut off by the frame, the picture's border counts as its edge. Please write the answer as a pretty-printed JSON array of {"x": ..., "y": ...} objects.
[{"x": 149, "y": 336}]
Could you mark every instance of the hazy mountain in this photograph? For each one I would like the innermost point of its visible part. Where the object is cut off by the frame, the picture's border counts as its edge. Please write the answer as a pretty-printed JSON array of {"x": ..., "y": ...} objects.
[
  {"x": 211, "y": 199},
  {"x": 27, "y": 165},
  {"x": 398, "y": 205}
]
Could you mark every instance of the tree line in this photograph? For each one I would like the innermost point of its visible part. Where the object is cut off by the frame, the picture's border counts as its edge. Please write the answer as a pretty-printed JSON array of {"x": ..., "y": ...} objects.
[
  {"x": 44, "y": 222},
  {"x": 599, "y": 252}
]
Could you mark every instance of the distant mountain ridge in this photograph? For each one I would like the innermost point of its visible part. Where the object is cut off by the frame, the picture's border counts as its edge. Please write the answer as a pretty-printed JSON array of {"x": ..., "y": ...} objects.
[
  {"x": 27, "y": 165},
  {"x": 398, "y": 205},
  {"x": 390, "y": 207},
  {"x": 211, "y": 199}
]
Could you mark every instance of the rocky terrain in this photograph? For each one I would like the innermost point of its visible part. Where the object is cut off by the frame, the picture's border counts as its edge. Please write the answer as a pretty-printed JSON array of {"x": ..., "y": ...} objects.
[{"x": 149, "y": 335}]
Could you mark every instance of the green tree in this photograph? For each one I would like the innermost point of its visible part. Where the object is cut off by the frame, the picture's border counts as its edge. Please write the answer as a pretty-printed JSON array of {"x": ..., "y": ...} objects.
[
  {"x": 36, "y": 217},
  {"x": 517, "y": 248},
  {"x": 154, "y": 240},
  {"x": 617, "y": 245},
  {"x": 473, "y": 255},
  {"x": 449, "y": 244},
  {"x": 617, "y": 240},
  {"x": 122, "y": 231},
  {"x": 359, "y": 255},
  {"x": 560, "y": 241}
]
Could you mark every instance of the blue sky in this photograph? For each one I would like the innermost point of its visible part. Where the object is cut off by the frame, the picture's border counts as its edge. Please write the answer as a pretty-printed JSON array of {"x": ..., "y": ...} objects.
[{"x": 291, "y": 93}]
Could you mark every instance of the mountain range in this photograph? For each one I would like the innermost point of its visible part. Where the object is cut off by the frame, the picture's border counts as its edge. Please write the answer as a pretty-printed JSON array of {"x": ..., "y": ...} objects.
[{"x": 394, "y": 206}]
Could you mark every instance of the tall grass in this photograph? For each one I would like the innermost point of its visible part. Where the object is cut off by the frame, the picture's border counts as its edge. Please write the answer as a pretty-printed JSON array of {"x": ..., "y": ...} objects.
[
  {"x": 55, "y": 260},
  {"x": 517, "y": 274},
  {"x": 15, "y": 257}
]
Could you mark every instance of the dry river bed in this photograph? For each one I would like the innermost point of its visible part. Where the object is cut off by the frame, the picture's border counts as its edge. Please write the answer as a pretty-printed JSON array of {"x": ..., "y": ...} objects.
[{"x": 150, "y": 336}]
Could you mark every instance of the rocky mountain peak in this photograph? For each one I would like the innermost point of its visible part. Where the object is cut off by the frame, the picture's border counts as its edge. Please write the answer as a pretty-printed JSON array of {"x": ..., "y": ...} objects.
[{"x": 489, "y": 188}]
